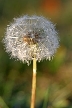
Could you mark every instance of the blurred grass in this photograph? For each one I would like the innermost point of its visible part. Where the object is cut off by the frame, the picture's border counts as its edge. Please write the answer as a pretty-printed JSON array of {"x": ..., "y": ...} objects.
[
  {"x": 54, "y": 78},
  {"x": 2, "y": 103}
]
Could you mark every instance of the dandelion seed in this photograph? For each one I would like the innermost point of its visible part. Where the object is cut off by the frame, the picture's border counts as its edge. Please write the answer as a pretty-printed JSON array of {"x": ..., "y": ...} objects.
[{"x": 31, "y": 36}]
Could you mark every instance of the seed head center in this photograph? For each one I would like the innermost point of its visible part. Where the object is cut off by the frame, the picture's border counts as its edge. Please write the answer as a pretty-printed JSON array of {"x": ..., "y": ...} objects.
[{"x": 31, "y": 38}]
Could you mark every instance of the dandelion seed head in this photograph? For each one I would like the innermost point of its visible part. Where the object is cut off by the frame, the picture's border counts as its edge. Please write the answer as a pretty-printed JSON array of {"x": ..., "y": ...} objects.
[{"x": 31, "y": 36}]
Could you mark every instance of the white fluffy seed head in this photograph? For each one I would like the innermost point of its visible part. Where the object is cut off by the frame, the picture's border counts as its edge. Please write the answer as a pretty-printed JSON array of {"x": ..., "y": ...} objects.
[{"x": 31, "y": 36}]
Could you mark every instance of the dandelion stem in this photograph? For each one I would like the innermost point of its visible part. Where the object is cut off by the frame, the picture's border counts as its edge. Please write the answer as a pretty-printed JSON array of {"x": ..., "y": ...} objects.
[{"x": 33, "y": 84}]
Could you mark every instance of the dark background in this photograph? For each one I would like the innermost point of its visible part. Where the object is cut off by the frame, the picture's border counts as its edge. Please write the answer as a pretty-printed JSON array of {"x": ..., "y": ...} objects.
[{"x": 54, "y": 78}]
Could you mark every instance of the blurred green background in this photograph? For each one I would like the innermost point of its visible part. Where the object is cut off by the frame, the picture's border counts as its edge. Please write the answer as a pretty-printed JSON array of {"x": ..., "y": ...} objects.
[{"x": 54, "y": 78}]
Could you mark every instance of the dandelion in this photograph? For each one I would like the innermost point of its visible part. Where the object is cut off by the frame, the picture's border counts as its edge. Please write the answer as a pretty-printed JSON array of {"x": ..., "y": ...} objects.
[{"x": 31, "y": 38}]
